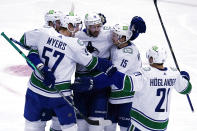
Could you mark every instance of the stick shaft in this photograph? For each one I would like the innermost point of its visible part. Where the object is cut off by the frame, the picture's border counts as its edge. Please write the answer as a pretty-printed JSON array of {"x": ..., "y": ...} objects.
[{"x": 171, "y": 50}]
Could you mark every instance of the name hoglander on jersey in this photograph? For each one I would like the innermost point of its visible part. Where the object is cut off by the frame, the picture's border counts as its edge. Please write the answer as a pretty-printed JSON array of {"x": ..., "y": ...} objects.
[
  {"x": 56, "y": 43},
  {"x": 162, "y": 82}
]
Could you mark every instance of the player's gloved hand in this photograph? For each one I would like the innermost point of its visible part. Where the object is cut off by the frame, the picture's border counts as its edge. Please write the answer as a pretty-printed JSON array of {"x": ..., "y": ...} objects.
[
  {"x": 99, "y": 82},
  {"x": 185, "y": 75},
  {"x": 82, "y": 84},
  {"x": 106, "y": 66},
  {"x": 34, "y": 58},
  {"x": 138, "y": 25},
  {"x": 49, "y": 78},
  {"x": 103, "y": 18}
]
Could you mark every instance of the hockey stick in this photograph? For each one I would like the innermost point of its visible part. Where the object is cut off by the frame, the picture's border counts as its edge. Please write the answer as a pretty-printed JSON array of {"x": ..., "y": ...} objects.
[
  {"x": 89, "y": 121},
  {"x": 172, "y": 52},
  {"x": 23, "y": 46}
]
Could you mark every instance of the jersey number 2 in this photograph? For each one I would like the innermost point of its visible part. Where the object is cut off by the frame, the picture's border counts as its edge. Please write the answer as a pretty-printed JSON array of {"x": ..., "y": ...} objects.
[
  {"x": 55, "y": 54},
  {"x": 162, "y": 92}
]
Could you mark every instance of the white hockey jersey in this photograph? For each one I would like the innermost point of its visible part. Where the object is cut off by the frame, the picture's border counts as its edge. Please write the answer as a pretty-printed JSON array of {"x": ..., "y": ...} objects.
[
  {"x": 102, "y": 44},
  {"x": 127, "y": 60},
  {"x": 151, "y": 105},
  {"x": 59, "y": 53}
]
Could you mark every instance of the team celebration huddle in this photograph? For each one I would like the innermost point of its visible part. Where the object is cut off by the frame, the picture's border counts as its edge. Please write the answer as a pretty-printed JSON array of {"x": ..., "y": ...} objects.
[{"x": 111, "y": 87}]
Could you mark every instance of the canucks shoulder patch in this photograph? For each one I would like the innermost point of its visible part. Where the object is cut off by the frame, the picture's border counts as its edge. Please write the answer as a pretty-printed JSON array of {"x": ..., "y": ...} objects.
[
  {"x": 80, "y": 42},
  {"x": 106, "y": 27},
  {"x": 173, "y": 69},
  {"x": 128, "y": 50},
  {"x": 146, "y": 68}
]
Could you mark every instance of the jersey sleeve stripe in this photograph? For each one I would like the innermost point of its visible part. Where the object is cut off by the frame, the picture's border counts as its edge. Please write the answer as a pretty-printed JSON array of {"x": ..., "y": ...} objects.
[
  {"x": 38, "y": 83},
  {"x": 147, "y": 122},
  {"x": 33, "y": 51},
  {"x": 188, "y": 89},
  {"x": 92, "y": 64}
]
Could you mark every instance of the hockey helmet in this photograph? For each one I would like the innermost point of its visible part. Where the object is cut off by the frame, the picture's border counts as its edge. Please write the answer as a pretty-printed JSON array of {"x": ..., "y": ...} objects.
[
  {"x": 52, "y": 15},
  {"x": 70, "y": 19},
  {"x": 158, "y": 54},
  {"x": 122, "y": 30},
  {"x": 92, "y": 19}
]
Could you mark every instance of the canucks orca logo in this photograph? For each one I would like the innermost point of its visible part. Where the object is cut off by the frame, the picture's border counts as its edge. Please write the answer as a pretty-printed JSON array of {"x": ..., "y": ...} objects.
[{"x": 91, "y": 48}]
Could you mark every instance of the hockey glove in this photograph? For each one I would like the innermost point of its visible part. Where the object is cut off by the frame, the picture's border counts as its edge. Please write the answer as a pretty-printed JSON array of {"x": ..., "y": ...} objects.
[
  {"x": 105, "y": 66},
  {"x": 49, "y": 78},
  {"x": 82, "y": 84},
  {"x": 138, "y": 24},
  {"x": 185, "y": 75},
  {"x": 103, "y": 18},
  {"x": 33, "y": 56}
]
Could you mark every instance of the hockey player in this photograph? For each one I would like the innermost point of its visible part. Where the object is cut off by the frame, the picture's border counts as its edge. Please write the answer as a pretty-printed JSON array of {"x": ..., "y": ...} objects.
[
  {"x": 55, "y": 125},
  {"x": 55, "y": 55},
  {"x": 151, "y": 105},
  {"x": 52, "y": 19},
  {"x": 98, "y": 42},
  {"x": 153, "y": 86},
  {"x": 126, "y": 57}
]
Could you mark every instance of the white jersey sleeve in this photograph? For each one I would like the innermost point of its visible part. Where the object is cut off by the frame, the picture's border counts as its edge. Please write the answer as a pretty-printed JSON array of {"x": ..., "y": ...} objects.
[
  {"x": 181, "y": 85},
  {"x": 31, "y": 38},
  {"x": 79, "y": 52}
]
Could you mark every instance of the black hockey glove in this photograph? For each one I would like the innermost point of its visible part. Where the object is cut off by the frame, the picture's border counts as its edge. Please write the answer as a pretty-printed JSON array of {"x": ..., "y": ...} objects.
[
  {"x": 185, "y": 75},
  {"x": 106, "y": 66},
  {"x": 138, "y": 24}
]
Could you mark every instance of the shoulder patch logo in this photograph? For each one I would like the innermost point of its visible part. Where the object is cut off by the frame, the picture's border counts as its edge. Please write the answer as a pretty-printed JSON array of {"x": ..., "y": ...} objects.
[
  {"x": 106, "y": 27},
  {"x": 128, "y": 50},
  {"x": 146, "y": 68},
  {"x": 80, "y": 42}
]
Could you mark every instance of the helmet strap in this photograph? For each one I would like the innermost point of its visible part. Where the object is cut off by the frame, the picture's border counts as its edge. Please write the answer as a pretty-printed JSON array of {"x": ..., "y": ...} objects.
[
  {"x": 120, "y": 43},
  {"x": 72, "y": 32}
]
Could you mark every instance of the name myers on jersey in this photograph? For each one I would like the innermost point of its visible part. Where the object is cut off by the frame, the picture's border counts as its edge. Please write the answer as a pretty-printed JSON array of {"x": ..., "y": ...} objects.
[
  {"x": 162, "y": 82},
  {"x": 56, "y": 43}
]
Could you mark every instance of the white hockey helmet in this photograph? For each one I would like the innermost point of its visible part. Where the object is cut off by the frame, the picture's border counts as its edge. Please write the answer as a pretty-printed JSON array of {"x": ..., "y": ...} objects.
[
  {"x": 122, "y": 30},
  {"x": 158, "y": 54},
  {"x": 70, "y": 19},
  {"x": 92, "y": 19},
  {"x": 52, "y": 15}
]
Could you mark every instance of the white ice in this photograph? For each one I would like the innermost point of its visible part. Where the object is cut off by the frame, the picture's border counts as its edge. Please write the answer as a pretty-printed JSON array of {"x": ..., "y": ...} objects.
[{"x": 179, "y": 17}]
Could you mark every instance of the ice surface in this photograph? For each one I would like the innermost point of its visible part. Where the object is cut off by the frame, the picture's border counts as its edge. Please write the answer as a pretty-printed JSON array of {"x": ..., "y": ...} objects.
[{"x": 179, "y": 17}]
